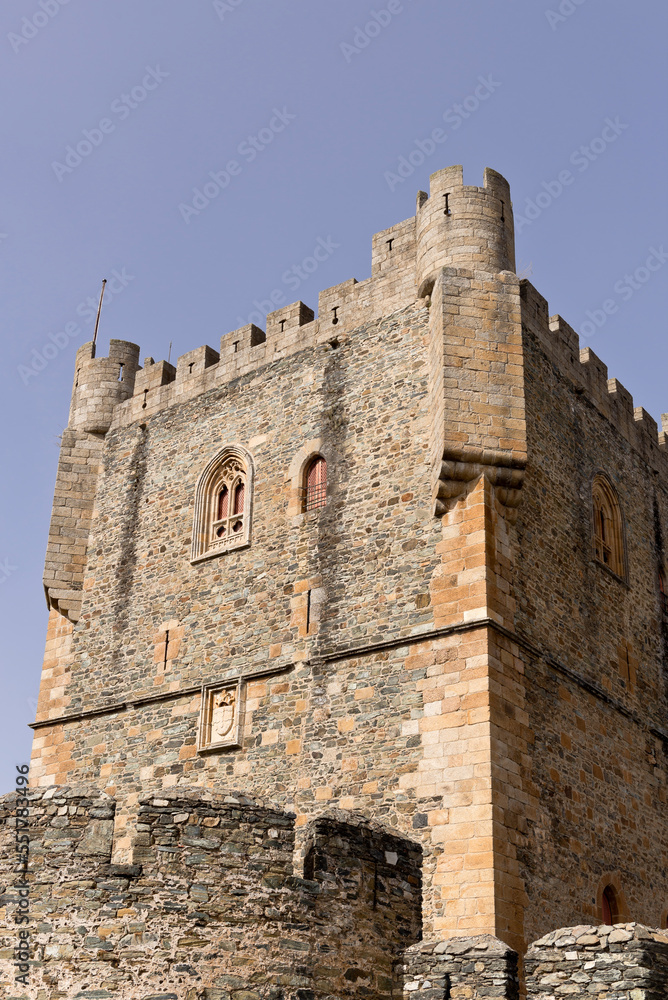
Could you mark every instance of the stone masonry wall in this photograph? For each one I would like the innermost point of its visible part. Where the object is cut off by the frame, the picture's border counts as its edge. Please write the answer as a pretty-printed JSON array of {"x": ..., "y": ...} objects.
[
  {"x": 436, "y": 648},
  {"x": 625, "y": 962},
  {"x": 477, "y": 968},
  {"x": 594, "y": 644},
  {"x": 209, "y": 906}
]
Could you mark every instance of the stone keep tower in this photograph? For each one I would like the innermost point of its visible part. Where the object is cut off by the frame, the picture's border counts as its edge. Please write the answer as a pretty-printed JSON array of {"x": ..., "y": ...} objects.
[{"x": 378, "y": 592}]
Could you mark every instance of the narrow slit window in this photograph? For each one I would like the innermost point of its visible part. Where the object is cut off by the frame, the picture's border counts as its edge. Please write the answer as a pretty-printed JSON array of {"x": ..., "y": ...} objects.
[{"x": 316, "y": 484}]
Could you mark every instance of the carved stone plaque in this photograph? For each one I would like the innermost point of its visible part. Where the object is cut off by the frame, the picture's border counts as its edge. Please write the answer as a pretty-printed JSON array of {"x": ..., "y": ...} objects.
[{"x": 221, "y": 716}]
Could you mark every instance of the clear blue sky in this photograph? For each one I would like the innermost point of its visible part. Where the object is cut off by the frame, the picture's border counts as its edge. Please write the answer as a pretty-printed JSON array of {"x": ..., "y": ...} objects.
[{"x": 316, "y": 103}]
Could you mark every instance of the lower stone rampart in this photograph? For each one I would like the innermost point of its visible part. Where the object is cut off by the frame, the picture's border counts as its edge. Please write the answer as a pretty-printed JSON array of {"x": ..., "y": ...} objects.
[
  {"x": 461, "y": 969},
  {"x": 371, "y": 881},
  {"x": 624, "y": 962},
  {"x": 210, "y": 908}
]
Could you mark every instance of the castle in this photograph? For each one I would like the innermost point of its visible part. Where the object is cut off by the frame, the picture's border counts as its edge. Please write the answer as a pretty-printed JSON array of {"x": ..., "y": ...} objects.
[{"x": 356, "y": 675}]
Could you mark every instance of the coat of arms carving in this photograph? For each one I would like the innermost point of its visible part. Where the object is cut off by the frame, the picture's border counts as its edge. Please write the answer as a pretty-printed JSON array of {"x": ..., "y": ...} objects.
[{"x": 220, "y": 716}]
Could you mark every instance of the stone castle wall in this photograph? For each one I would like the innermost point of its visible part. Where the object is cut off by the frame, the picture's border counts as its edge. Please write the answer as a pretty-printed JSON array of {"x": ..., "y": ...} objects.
[
  {"x": 209, "y": 905},
  {"x": 596, "y": 649},
  {"x": 625, "y": 962},
  {"x": 210, "y": 908},
  {"x": 436, "y": 648}
]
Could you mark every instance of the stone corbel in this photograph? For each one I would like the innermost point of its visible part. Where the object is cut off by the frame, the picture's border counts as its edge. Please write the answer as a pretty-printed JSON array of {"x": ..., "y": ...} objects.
[{"x": 462, "y": 466}]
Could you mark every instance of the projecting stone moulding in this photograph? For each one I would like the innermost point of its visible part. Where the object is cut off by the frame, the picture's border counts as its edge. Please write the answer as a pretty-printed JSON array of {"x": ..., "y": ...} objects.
[{"x": 461, "y": 467}]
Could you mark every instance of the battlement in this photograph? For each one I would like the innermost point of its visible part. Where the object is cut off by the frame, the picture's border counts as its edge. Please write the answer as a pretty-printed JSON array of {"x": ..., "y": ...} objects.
[
  {"x": 475, "y": 231},
  {"x": 461, "y": 225},
  {"x": 455, "y": 225},
  {"x": 101, "y": 383},
  {"x": 589, "y": 375},
  {"x": 210, "y": 897}
]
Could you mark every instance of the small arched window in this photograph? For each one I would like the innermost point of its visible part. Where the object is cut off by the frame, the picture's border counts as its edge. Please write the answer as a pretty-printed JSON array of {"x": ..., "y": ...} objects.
[
  {"x": 608, "y": 531},
  {"x": 315, "y": 483},
  {"x": 222, "y": 504},
  {"x": 609, "y": 907}
]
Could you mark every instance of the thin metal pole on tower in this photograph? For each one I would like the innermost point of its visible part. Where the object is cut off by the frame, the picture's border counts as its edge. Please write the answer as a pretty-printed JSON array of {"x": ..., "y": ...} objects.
[{"x": 99, "y": 310}]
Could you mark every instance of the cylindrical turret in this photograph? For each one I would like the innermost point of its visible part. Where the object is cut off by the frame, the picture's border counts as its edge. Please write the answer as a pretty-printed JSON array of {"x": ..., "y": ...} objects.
[
  {"x": 101, "y": 383},
  {"x": 468, "y": 226}
]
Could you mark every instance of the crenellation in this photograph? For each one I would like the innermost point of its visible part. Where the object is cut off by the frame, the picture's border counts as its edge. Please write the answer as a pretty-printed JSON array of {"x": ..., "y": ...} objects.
[
  {"x": 153, "y": 377},
  {"x": 622, "y": 398},
  {"x": 461, "y": 225},
  {"x": 535, "y": 311},
  {"x": 595, "y": 377},
  {"x": 101, "y": 383},
  {"x": 393, "y": 250},
  {"x": 194, "y": 362},
  {"x": 297, "y": 314},
  {"x": 648, "y": 432},
  {"x": 339, "y": 305},
  {"x": 587, "y": 372},
  {"x": 564, "y": 343}
]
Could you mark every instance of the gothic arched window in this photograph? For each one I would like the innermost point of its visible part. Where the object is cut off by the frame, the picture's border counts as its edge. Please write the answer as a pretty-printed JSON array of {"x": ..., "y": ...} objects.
[
  {"x": 315, "y": 483},
  {"x": 223, "y": 504},
  {"x": 608, "y": 529}
]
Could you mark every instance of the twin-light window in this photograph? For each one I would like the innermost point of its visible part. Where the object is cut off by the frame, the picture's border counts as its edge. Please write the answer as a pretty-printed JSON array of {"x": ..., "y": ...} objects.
[{"x": 223, "y": 501}]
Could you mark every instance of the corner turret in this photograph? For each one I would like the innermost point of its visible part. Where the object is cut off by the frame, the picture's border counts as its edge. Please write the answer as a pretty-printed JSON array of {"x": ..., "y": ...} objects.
[
  {"x": 101, "y": 383},
  {"x": 465, "y": 226}
]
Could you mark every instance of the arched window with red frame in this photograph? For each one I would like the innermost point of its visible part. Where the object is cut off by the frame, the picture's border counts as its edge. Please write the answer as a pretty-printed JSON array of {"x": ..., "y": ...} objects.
[{"x": 315, "y": 484}]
